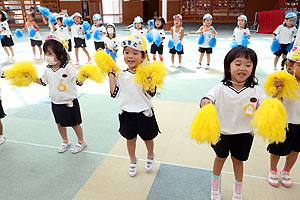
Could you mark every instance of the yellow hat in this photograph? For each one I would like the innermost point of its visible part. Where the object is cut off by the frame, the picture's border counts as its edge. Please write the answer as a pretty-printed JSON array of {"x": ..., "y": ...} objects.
[
  {"x": 135, "y": 42},
  {"x": 294, "y": 55}
]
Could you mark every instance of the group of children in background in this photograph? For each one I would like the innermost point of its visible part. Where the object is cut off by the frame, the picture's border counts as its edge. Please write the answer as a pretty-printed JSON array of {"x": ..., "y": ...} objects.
[{"x": 136, "y": 110}]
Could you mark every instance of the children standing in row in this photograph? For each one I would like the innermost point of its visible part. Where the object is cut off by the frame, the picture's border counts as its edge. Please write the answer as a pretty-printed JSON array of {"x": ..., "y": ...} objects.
[
  {"x": 111, "y": 41},
  {"x": 241, "y": 29},
  {"x": 98, "y": 25},
  {"x": 62, "y": 79},
  {"x": 78, "y": 35},
  {"x": 137, "y": 115},
  {"x": 285, "y": 34},
  {"x": 231, "y": 104},
  {"x": 158, "y": 31},
  {"x": 177, "y": 34},
  {"x": 291, "y": 146},
  {"x": 35, "y": 40},
  {"x": 6, "y": 41},
  {"x": 62, "y": 31}
]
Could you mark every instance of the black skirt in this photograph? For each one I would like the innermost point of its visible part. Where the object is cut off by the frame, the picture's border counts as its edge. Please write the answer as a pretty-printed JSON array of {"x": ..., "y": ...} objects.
[
  {"x": 7, "y": 41},
  {"x": 2, "y": 114},
  {"x": 133, "y": 124},
  {"x": 67, "y": 116}
]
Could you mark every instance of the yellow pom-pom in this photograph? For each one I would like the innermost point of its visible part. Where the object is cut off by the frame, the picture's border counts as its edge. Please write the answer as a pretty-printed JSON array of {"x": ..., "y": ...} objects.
[
  {"x": 289, "y": 88},
  {"x": 206, "y": 126},
  {"x": 151, "y": 76},
  {"x": 105, "y": 62},
  {"x": 92, "y": 72},
  {"x": 22, "y": 74},
  {"x": 270, "y": 120}
]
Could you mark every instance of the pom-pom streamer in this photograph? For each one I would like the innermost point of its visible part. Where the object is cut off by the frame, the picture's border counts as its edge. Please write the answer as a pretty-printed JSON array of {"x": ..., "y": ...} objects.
[
  {"x": 178, "y": 46},
  {"x": 86, "y": 26},
  {"x": 151, "y": 22},
  {"x": 68, "y": 21},
  {"x": 105, "y": 62},
  {"x": 156, "y": 39},
  {"x": 270, "y": 120},
  {"x": 92, "y": 72},
  {"x": 88, "y": 35},
  {"x": 245, "y": 41},
  {"x": 97, "y": 35},
  {"x": 19, "y": 33},
  {"x": 32, "y": 32},
  {"x": 171, "y": 44},
  {"x": 45, "y": 11},
  {"x": 206, "y": 126},
  {"x": 201, "y": 39},
  {"x": 52, "y": 18},
  {"x": 290, "y": 46},
  {"x": 233, "y": 44},
  {"x": 149, "y": 36},
  {"x": 212, "y": 42},
  {"x": 275, "y": 45}
]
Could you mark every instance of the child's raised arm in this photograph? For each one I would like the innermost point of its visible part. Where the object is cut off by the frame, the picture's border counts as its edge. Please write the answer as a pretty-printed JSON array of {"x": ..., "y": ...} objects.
[
  {"x": 200, "y": 30},
  {"x": 25, "y": 27},
  {"x": 44, "y": 19},
  {"x": 112, "y": 83},
  {"x": 37, "y": 28}
]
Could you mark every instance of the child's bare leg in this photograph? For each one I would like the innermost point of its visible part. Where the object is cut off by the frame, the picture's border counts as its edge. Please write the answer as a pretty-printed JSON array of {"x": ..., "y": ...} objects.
[
  {"x": 79, "y": 133},
  {"x": 179, "y": 59},
  {"x": 63, "y": 133},
  {"x": 76, "y": 53},
  {"x": 154, "y": 56},
  {"x": 274, "y": 159},
  {"x": 12, "y": 51},
  {"x": 41, "y": 51},
  {"x": 86, "y": 52},
  {"x": 290, "y": 160},
  {"x": 6, "y": 51},
  {"x": 150, "y": 147},
  {"x": 208, "y": 58},
  {"x": 131, "y": 144},
  {"x": 1, "y": 128},
  {"x": 201, "y": 57},
  {"x": 276, "y": 61},
  {"x": 33, "y": 50},
  {"x": 218, "y": 165},
  {"x": 172, "y": 59},
  {"x": 238, "y": 168}
]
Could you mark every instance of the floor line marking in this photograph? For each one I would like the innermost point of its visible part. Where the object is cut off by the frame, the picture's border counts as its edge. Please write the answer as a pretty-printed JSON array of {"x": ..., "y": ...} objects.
[{"x": 125, "y": 157}]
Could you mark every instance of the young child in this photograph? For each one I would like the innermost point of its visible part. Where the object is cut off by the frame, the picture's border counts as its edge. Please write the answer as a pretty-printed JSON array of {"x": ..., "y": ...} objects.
[
  {"x": 111, "y": 40},
  {"x": 177, "y": 34},
  {"x": 2, "y": 115},
  {"x": 159, "y": 24},
  {"x": 50, "y": 25},
  {"x": 291, "y": 146},
  {"x": 62, "y": 79},
  {"x": 241, "y": 29},
  {"x": 6, "y": 41},
  {"x": 208, "y": 31},
  {"x": 137, "y": 115},
  {"x": 62, "y": 31},
  {"x": 285, "y": 34},
  {"x": 233, "y": 99},
  {"x": 78, "y": 35},
  {"x": 36, "y": 40},
  {"x": 99, "y": 44}
]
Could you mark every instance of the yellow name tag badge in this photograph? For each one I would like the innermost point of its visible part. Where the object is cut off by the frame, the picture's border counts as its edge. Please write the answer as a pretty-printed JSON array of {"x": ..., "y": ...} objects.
[
  {"x": 61, "y": 87},
  {"x": 249, "y": 110}
]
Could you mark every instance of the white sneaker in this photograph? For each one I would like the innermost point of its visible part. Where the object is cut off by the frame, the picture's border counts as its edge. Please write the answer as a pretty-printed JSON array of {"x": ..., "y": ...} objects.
[
  {"x": 34, "y": 57},
  {"x": 215, "y": 192},
  {"x": 237, "y": 191},
  {"x": 275, "y": 69},
  {"x": 12, "y": 58},
  {"x": 199, "y": 66},
  {"x": 150, "y": 163},
  {"x": 2, "y": 138},
  {"x": 63, "y": 147},
  {"x": 133, "y": 167},
  {"x": 77, "y": 62},
  {"x": 7, "y": 59},
  {"x": 41, "y": 57},
  {"x": 273, "y": 178},
  {"x": 285, "y": 178},
  {"x": 79, "y": 147},
  {"x": 207, "y": 67}
]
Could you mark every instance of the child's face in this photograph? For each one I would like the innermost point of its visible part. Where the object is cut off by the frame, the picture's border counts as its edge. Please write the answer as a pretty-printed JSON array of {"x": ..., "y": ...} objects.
[
  {"x": 138, "y": 25},
  {"x": 97, "y": 22},
  {"x": 77, "y": 20},
  {"x": 240, "y": 69},
  {"x": 110, "y": 29},
  {"x": 295, "y": 68},
  {"x": 241, "y": 23},
  {"x": 59, "y": 21},
  {"x": 132, "y": 57},
  {"x": 207, "y": 22},
  {"x": 157, "y": 23},
  {"x": 29, "y": 17},
  {"x": 290, "y": 22},
  {"x": 177, "y": 22},
  {"x": 50, "y": 52}
]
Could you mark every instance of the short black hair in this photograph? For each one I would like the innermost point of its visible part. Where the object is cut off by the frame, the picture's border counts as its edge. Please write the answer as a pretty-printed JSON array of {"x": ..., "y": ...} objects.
[
  {"x": 3, "y": 18},
  {"x": 32, "y": 14},
  {"x": 57, "y": 48},
  {"x": 162, "y": 20},
  {"x": 240, "y": 52}
]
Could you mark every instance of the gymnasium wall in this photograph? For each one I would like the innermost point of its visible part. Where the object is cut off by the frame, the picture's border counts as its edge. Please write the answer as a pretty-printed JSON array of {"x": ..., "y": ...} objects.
[{"x": 71, "y": 6}]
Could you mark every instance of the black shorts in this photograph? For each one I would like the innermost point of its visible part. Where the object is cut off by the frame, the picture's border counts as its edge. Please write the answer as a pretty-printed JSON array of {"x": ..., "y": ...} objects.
[
  {"x": 79, "y": 43},
  {"x": 158, "y": 49},
  {"x": 99, "y": 45},
  {"x": 133, "y": 124},
  {"x": 67, "y": 116},
  {"x": 7, "y": 41},
  {"x": 203, "y": 50},
  {"x": 291, "y": 143},
  {"x": 282, "y": 50},
  {"x": 69, "y": 45},
  {"x": 2, "y": 113},
  {"x": 173, "y": 51},
  {"x": 36, "y": 42},
  {"x": 238, "y": 145}
]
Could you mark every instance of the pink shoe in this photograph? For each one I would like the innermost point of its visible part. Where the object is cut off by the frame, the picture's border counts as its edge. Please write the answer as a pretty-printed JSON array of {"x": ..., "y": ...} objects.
[
  {"x": 89, "y": 61},
  {"x": 273, "y": 178},
  {"x": 77, "y": 62},
  {"x": 285, "y": 178},
  {"x": 215, "y": 192}
]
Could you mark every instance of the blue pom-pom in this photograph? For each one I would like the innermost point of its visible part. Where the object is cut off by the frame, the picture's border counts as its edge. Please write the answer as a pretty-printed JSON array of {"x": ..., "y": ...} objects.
[
  {"x": 245, "y": 41},
  {"x": 275, "y": 45},
  {"x": 171, "y": 44},
  {"x": 88, "y": 35},
  {"x": 1, "y": 36},
  {"x": 178, "y": 46},
  {"x": 86, "y": 26},
  {"x": 32, "y": 32},
  {"x": 107, "y": 51},
  {"x": 149, "y": 36},
  {"x": 97, "y": 35},
  {"x": 212, "y": 42},
  {"x": 151, "y": 22},
  {"x": 156, "y": 39},
  {"x": 51, "y": 18},
  {"x": 134, "y": 26},
  {"x": 201, "y": 39},
  {"x": 233, "y": 44},
  {"x": 19, "y": 33},
  {"x": 113, "y": 55},
  {"x": 290, "y": 46},
  {"x": 45, "y": 11},
  {"x": 68, "y": 21}
]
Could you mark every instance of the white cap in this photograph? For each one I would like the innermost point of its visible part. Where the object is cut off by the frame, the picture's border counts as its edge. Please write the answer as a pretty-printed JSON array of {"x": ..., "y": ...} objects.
[
  {"x": 242, "y": 17},
  {"x": 207, "y": 16},
  {"x": 138, "y": 19},
  {"x": 77, "y": 14}
]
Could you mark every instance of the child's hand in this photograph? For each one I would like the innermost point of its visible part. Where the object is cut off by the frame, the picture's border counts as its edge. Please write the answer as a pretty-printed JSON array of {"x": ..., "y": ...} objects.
[
  {"x": 204, "y": 102},
  {"x": 278, "y": 83}
]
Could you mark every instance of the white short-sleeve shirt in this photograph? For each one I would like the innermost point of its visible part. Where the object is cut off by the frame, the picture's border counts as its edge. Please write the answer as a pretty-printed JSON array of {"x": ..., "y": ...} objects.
[
  {"x": 4, "y": 25},
  {"x": 284, "y": 34},
  {"x": 111, "y": 42},
  {"x": 101, "y": 29},
  {"x": 239, "y": 33},
  {"x": 293, "y": 110},
  {"x": 77, "y": 31}
]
